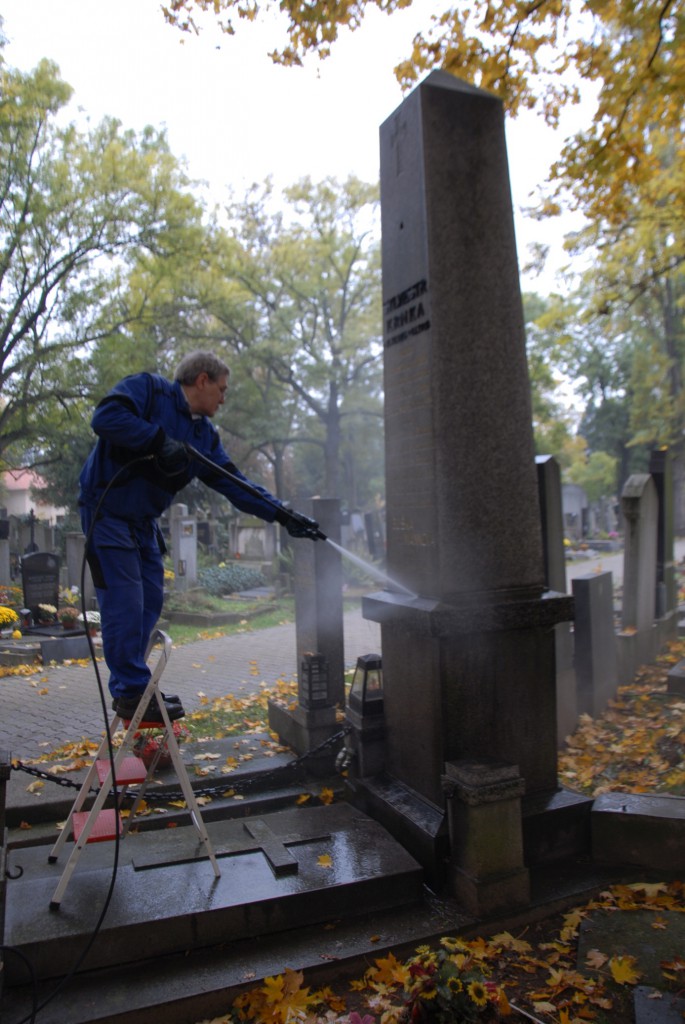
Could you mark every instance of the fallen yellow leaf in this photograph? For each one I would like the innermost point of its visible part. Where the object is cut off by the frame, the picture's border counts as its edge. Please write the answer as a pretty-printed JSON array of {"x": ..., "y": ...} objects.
[
  {"x": 507, "y": 941},
  {"x": 325, "y": 861},
  {"x": 624, "y": 970}
]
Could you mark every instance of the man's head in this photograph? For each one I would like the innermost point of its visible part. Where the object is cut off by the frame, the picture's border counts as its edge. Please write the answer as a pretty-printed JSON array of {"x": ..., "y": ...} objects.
[{"x": 204, "y": 379}]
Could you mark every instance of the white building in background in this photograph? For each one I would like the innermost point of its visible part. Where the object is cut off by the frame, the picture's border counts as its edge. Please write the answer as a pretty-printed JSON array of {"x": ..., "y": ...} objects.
[{"x": 16, "y": 487}]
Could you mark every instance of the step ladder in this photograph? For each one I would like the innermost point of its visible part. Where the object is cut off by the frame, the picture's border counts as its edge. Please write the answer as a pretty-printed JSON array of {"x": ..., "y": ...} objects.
[{"x": 100, "y": 824}]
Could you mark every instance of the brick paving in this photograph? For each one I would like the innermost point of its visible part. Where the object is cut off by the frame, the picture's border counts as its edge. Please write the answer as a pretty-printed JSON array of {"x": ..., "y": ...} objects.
[{"x": 62, "y": 703}]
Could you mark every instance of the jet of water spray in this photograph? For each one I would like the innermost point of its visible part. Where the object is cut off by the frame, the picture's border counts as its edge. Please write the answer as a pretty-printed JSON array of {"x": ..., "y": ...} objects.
[{"x": 369, "y": 569}]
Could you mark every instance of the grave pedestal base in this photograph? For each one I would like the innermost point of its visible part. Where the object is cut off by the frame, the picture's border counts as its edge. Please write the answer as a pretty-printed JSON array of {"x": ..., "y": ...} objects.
[
  {"x": 473, "y": 680},
  {"x": 487, "y": 874}
]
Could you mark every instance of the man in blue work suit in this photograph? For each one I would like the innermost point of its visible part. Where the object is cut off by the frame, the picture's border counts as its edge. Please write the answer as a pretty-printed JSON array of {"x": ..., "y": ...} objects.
[{"x": 138, "y": 465}]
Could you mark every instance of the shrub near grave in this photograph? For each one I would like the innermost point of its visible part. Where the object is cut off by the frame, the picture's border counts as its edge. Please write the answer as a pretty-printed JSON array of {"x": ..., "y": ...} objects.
[{"x": 229, "y": 579}]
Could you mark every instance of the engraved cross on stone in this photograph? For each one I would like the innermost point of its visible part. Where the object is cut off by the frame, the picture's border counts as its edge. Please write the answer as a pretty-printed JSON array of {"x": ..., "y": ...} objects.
[
  {"x": 281, "y": 861},
  {"x": 181, "y": 847},
  {"x": 274, "y": 847}
]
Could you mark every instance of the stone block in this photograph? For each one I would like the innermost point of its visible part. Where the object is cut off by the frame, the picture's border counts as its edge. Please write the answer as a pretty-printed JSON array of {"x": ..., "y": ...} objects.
[
  {"x": 595, "y": 642},
  {"x": 418, "y": 824},
  {"x": 556, "y": 827},
  {"x": 675, "y": 679},
  {"x": 304, "y": 730},
  {"x": 640, "y": 829},
  {"x": 487, "y": 873},
  {"x": 64, "y": 648}
]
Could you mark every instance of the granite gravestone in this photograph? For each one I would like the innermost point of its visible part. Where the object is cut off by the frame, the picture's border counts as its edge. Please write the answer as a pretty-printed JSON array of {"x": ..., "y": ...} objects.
[
  {"x": 318, "y": 598},
  {"x": 595, "y": 642},
  {"x": 183, "y": 528},
  {"x": 640, "y": 507},
  {"x": 78, "y": 571},
  {"x": 554, "y": 556},
  {"x": 319, "y": 638},
  {"x": 661, "y": 471},
  {"x": 40, "y": 580},
  {"x": 469, "y": 663}
]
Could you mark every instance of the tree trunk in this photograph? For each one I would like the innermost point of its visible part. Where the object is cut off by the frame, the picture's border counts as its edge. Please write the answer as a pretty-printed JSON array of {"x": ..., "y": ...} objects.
[{"x": 332, "y": 448}]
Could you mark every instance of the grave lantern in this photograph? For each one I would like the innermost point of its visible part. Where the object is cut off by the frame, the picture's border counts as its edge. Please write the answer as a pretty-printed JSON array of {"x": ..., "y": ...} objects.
[
  {"x": 312, "y": 689},
  {"x": 26, "y": 618},
  {"x": 366, "y": 692}
]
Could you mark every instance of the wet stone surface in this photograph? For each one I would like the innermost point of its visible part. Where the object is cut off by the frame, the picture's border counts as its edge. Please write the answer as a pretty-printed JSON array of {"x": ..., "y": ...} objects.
[{"x": 650, "y": 936}]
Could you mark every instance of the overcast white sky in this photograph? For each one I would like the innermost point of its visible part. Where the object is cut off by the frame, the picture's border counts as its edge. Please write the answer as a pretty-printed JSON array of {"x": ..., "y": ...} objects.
[{"x": 233, "y": 114}]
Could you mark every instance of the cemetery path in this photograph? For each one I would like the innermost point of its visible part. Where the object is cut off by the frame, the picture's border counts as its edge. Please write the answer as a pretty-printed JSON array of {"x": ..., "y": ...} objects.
[
  {"x": 43, "y": 711},
  {"x": 598, "y": 561}
]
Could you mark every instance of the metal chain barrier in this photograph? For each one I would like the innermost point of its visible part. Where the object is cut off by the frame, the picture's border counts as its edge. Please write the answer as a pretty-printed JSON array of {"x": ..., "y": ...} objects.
[{"x": 157, "y": 797}]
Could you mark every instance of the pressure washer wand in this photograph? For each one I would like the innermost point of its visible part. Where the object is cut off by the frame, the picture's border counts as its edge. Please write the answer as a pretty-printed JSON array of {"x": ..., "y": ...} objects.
[{"x": 311, "y": 528}]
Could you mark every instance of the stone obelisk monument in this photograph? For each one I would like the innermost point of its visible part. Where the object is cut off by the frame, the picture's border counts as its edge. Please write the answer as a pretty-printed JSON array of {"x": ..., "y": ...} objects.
[{"x": 468, "y": 663}]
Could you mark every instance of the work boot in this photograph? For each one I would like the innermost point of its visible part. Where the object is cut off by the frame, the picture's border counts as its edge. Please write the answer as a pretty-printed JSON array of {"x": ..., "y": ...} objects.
[
  {"x": 168, "y": 698},
  {"x": 126, "y": 707}
]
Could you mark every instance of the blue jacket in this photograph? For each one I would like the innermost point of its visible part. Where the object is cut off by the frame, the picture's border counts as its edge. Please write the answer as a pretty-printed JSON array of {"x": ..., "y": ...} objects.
[{"x": 133, "y": 420}]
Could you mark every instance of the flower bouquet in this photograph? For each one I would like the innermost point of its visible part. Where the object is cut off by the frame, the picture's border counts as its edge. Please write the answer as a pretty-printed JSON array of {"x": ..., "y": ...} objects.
[
  {"x": 8, "y": 618},
  {"x": 93, "y": 621},
  {"x": 68, "y": 616},
  {"x": 448, "y": 986},
  {"x": 46, "y": 614},
  {"x": 146, "y": 744}
]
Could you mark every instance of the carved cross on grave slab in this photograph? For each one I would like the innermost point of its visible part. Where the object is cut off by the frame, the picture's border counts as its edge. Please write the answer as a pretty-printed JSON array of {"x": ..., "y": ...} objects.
[{"x": 181, "y": 846}]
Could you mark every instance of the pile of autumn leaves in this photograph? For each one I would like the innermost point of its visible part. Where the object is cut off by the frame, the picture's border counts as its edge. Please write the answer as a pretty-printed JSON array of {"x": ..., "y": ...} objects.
[
  {"x": 461, "y": 980},
  {"x": 636, "y": 745}
]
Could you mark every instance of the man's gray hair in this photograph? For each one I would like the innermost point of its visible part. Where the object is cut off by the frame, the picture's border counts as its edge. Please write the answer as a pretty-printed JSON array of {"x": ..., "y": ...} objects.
[{"x": 195, "y": 363}]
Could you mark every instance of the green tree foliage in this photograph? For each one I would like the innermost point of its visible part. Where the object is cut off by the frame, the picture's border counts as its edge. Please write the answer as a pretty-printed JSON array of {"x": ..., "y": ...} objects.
[
  {"x": 596, "y": 474},
  {"x": 621, "y": 371},
  {"x": 551, "y": 424},
  {"x": 309, "y": 338},
  {"x": 77, "y": 212}
]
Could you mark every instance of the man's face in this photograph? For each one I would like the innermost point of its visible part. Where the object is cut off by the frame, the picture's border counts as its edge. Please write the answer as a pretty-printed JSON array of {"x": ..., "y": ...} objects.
[{"x": 208, "y": 394}]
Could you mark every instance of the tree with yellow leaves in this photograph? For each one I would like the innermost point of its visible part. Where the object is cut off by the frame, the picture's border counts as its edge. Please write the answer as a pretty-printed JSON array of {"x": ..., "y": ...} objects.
[{"x": 538, "y": 54}]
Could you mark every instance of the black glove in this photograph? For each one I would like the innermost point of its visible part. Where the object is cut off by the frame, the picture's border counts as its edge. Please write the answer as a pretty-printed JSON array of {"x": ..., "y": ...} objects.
[
  {"x": 299, "y": 525},
  {"x": 172, "y": 457}
]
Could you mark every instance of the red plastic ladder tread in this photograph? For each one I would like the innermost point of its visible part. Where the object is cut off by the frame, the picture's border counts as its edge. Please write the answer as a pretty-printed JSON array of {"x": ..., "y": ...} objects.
[
  {"x": 107, "y": 823},
  {"x": 131, "y": 770}
]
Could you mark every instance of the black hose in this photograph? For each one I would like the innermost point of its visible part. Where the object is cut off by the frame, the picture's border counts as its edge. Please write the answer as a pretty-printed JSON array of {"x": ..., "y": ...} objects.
[{"x": 315, "y": 534}]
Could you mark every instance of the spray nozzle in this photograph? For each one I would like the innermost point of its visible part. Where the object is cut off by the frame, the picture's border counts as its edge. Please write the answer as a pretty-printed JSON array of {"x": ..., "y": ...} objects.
[{"x": 299, "y": 525}]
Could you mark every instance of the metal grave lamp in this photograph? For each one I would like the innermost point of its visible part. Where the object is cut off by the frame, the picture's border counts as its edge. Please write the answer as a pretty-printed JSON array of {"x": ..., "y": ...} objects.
[{"x": 366, "y": 692}]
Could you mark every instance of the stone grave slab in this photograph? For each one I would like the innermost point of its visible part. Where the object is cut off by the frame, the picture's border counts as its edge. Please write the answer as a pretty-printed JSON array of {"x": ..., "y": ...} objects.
[
  {"x": 181, "y": 847},
  {"x": 632, "y": 933},
  {"x": 281, "y": 871},
  {"x": 655, "y": 1007}
]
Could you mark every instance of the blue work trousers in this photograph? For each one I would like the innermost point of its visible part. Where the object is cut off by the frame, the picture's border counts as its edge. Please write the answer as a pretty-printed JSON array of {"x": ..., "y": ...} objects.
[{"x": 125, "y": 560}]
